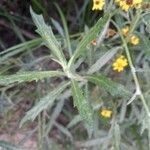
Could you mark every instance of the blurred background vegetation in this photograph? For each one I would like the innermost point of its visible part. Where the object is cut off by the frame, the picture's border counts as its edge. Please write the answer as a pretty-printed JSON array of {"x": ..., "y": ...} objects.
[
  {"x": 16, "y": 27},
  {"x": 61, "y": 127}
]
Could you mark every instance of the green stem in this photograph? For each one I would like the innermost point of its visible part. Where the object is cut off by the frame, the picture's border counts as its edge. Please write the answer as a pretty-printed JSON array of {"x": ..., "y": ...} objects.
[
  {"x": 135, "y": 76},
  {"x": 39, "y": 133},
  {"x": 133, "y": 71},
  {"x": 135, "y": 21}
]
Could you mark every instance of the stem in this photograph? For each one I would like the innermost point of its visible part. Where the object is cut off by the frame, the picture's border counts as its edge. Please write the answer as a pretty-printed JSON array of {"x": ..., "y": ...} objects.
[
  {"x": 135, "y": 21},
  {"x": 133, "y": 71},
  {"x": 135, "y": 76},
  {"x": 39, "y": 133}
]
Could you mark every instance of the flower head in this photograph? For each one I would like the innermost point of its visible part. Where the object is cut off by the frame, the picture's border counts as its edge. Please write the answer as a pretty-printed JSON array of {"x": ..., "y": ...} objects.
[
  {"x": 124, "y": 5},
  {"x": 110, "y": 32},
  {"x": 98, "y": 4},
  {"x": 120, "y": 63},
  {"x": 127, "y": 4},
  {"x": 94, "y": 42},
  {"x": 125, "y": 30},
  {"x": 106, "y": 113},
  {"x": 134, "y": 40}
]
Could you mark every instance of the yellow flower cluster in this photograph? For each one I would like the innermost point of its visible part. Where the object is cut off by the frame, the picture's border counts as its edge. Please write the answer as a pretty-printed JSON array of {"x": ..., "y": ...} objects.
[
  {"x": 133, "y": 38},
  {"x": 124, "y": 4},
  {"x": 127, "y": 4},
  {"x": 106, "y": 113},
  {"x": 98, "y": 4},
  {"x": 120, "y": 63}
]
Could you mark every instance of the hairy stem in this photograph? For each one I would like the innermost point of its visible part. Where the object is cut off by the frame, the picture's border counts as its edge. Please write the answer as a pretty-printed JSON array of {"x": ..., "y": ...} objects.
[{"x": 133, "y": 71}]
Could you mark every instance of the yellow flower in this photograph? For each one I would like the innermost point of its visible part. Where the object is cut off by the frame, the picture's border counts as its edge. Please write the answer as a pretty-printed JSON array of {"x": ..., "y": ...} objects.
[
  {"x": 125, "y": 30},
  {"x": 120, "y": 63},
  {"x": 98, "y": 4},
  {"x": 134, "y": 40},
  {"x": 124, "y": 5},
  {"x": 106, "y": 113},
  {"x": 127, "y": 4}
]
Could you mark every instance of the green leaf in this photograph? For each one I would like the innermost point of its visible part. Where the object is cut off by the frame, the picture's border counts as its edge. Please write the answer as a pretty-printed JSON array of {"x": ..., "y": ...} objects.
[
  {"x": 28, "y": 76},
  {"x": 76, "y": 119},
  {"x": 83, "y": 106},
  {"x": 26, "y": 46},
  {"x": 14, "y": 26},
  {"x": 144, "y": 44},
  {"x": 97, "y": 28},
  {"x": 38, "y": 6},
  {"x": 48, "y": 37},
  {"x": 58, "y": 27},
  {"x": 64, "y": 130},
  {"x": 45, "y": 102},
  {"x": 103, "y": 60},
  {"x": 56, "y": 112},
  {"x": 117, "y": 136},
  {"x": 67, "y": 38},
  {"x": 115, "y": 89},
  {"x": 8, "y": 146}
]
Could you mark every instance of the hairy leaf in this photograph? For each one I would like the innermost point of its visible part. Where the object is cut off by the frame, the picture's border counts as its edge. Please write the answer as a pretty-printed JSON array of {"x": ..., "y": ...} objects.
[
  {"x": 45, "y": 102},
  {"x": 103, "y": 60},
  {"x": 82, "y": 104},
  {"x": 144, "y": 44},
  {"x": 28, "y": 76},
  {"x": 97, "y": 28},
  {"x": 64, "y": 22},
  {"x": 48, "y": 37},
  {"x": 9, "y": 146},
  {"x": 26, "y": 46},
  {"x": 117, "y": 135},
  {"x": 74, "y": 121},
  {"x": 115, "y": 89}
]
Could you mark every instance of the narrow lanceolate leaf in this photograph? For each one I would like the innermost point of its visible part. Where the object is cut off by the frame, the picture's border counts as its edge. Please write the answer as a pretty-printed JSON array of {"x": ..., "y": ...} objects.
[
  {"x": 65, "y": 28},
  {"x": 45, "y": 102},
  {"x": 117, "y": 135},
  {"x": 93, "y": 32},
  {"x": 115, "y": 89},
  {"x": 144, "y": 44},
  {"x": 28, "y": 76},
  {"x": 9, "y": 146},
  {"x": 48, "y": 37},
  {"x": 14, "y": 50},
  {"x": 103, "y": 60},
  {"x": 82, "y": 104},
  {"x": 74, "y": 121}
]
